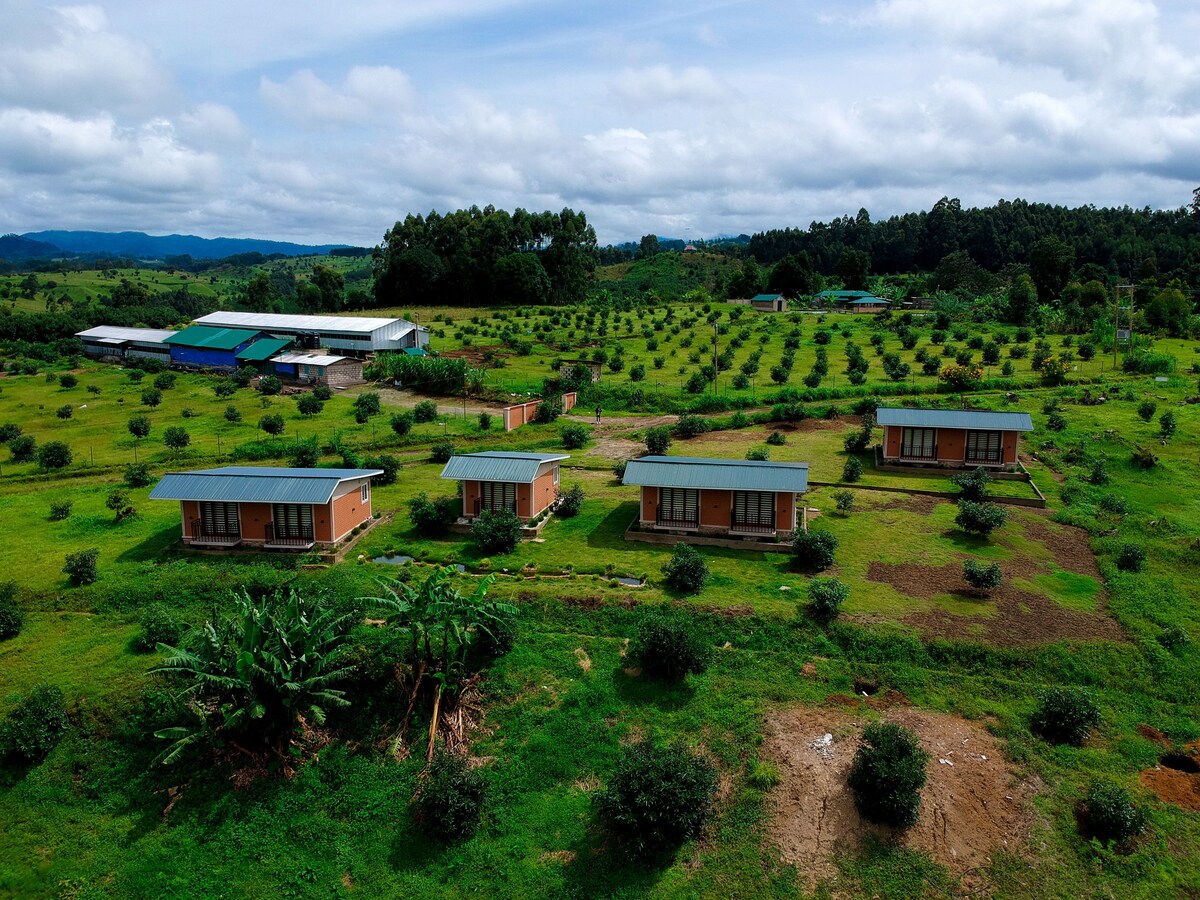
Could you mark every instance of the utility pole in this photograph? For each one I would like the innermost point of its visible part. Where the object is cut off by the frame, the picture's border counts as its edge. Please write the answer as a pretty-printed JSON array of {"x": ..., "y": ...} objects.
[
  {"x": 1117, "y": 320},
  {"x": 716, "y": 331}
]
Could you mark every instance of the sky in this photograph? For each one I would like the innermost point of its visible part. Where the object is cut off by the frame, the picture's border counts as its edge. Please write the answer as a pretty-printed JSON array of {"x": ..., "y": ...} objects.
[{"x": 318, "y": 122}]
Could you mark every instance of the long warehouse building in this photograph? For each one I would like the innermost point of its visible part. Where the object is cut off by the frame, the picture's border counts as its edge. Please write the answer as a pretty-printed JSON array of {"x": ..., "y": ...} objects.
[{"x": 354, "y": 335}]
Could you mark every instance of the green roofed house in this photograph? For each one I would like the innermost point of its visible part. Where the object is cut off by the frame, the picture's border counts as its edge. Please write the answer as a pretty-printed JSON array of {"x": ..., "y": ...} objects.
[
  {"x": 853, "y": 301},
  {"x": 951, "y": 437},
  {"x": 763, "y": 302},
  {"x": 526, "y": 483},
  {"x": 273, "y": 508},
  {"x": 722, "y": 498},
  {"x": 204, "y": 347}
]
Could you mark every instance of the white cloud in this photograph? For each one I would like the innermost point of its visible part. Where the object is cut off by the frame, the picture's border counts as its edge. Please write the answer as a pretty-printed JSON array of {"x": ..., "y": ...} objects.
[
  {"x": 660, "y": 85},
  {"x": 367, "y": 94}
]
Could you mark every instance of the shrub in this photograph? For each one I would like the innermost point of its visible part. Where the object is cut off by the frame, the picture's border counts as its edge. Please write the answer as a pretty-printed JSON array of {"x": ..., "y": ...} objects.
[
  {"x": 233, "y": 415},
  {"x": 54, "y": 455},
  {"x": 67, "y": 380},
  {"x": 164, "y": 381},
  {"x": 441, "y": 451},
  {"x": 60, "y": 510},
  {"x": 35, "y": 725},
  {"x": 496, "y": 532},
  {"x": 658, "y": 797},
  {"x": 8, "y": 431},
  {"x": 159, "y": 626},
  {"x": 981, "y": 577},
  {"x": 1131, "y": 558},
  {"x": 690, "y": 426},
  {"x": 973, "y": 484},
  {"x": 980, "y": 518},
  {"x": 1146, "y": 410},
  {"x": 304, "y": 454},
  {"x": 366, "y": 405},
  {"x": 574, "y": 436},
  {"x": 887, "y": 775},
  {"x": 1174, "y": 638},
  {"x": 775, "y": 439},
  {"x": 65, "y": 411},
  {"x": 759, "y": 454},
  {"x": 1056, "y": 422},
  {"x": 387, "y": 464},
  {"x": 402, "y": 423},
  {"x": 226, "y": 387},
  {"x": 1167, "y": 423},
  {"x": 686, "y": 571},
  {"x": 322, "y": 392},
  {"x": 308, "y": 405},
  {"x": 548, "y": 410},
  {"x": 570, "y": 503},
  {"x": 11, "y": 617},
  {"x": 856, "y": 441},
  {"x": 151, "y": 397},
  {"x": 118, "y": 502},
  {"x": 425, "y": 411},
  {"x": 1065, "y": 715},
  {"x": 1144, "y": 458},
  {"x": 825, "y": 598},
  {"x": 812, "y": 550},
  {"x": 22, "y": 447},
  {"x": 176, "y": 437},
  {"x": 1098, "y": 474},
  {"x": 844, "y": 501},
  {"x": 669, "y": 646},
  {"x": 485, "y": 421},
  {"x": 658, "y": 439},
  {"x": 433, "y": 517},
  {"x": 451, "y": 799},
  {"x": 852, "y": 470},
  {"x": 1111, "y": 503},
  {"x": 269, "y": 385},
  {"x": 1109, "y": 813},
  {"x": 272, "y": 423},
  {"x": 137, "y": 475},
  {"x": 619, "y": 468},
  {"x": 80, "y": 567}
]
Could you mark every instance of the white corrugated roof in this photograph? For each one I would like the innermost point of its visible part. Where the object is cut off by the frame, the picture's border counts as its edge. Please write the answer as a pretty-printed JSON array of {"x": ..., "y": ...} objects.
[
  {"x": 308, "y": 359},
  {"x": 267, "y": 321},
  {"x": 113, "y": 333}
]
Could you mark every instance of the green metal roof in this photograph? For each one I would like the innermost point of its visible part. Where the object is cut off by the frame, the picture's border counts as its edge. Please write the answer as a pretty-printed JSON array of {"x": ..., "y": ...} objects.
[
  {"x": 974, "y": 419},
  {"x": 765, "y": 297},
  {"x": 210, "y": 338},
  {"x": 520, "y": 468},
  {"x": 256, "y": 484},
  {"x": 717, "y": 474},
  {"x": 263, "y": 349},
  {"x": 844, "y": 295},
  {"x": 414, "y": 351}
]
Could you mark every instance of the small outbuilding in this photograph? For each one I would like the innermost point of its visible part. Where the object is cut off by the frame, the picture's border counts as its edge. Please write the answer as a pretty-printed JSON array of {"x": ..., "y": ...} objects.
[
  {"x": 328, "y": 369},
  {"x": 718, "y": 497},
  {"x": 525, "y": 483},
  {"x": 258, "y": 354},
  {"x": 951, "y": 437},
  {"x": 264, "y": 506},
  {"x": 763, "y": 302}
]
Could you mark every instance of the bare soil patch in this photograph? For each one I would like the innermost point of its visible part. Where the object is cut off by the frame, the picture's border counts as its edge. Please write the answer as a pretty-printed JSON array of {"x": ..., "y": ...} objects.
[
  {"x": 1173, "y": 786},
  {"x": 914, "y": 503},
  {"x": 1069, "y": 545},
  {"x": 973, "y": 804}
]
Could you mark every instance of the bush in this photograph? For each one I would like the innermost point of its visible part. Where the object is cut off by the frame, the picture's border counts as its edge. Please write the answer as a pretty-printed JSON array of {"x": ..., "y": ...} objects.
[
  {"x": 825, "y": 598},
  {"x": 570, "y": 503},
  {"x": 658, "y": 440},
  {"x": 269, "y": 385},
  {"x": 1098, "y": 474},
  {"x": 982, "y": 577},
  {"x": 118, "y": 502},
  {"x": 308, "y": 405},
  {"x": 856, "y": 441},
  {"x": 1109, "y": 813},
  {"x": 574, "y": 436},
  {"x": 686, "y": 571},
  {"x": 272, "y": 423},
  {"x": 485, "y": 421},
  {"x": 80, "y": 567},
  {"x": 226, "y": 387},
  {"x": 304, "y": 454},
  {"x": 402, "y": 423},
  {"x": 844, "y": 501},
  {"x": 973, "y": 484},
  {"x": 432, "y": 517},
  {"x": 758, "y": 454},
  {"x": 67, "y": 380},
  {"x": 322, "y": 392},
  {"x": 1131, "y": 558},
  {"x": 176, "y": 437},
  {"x": 164, "y": 381},
  {"x": 1065, "y": 715},
  {"x": 1146, "y": 410},
  {"x": 812, "y": 550},
  {"x": 22, "y": 447},
  {"x": 887, "y": 775},
  {"x": 159, "y": 626},
  {"x": 668, "y": 646},
  {"x": 619, "y": 468},
  {"x": 496, "y": 532},
  {"x": 425, "y": 411},
  {"x": 389, "y": 465},
  {"x": 658, "y": 797},
  {"x": 35, "y": 725},
  {"x": 54, "y": 455},
  {"x": 451, "y": 799},
  {"x": 1144, "y": 458},
  {"x": 1167, "y": 424},
  {"x": 852, "y": 470},
  {"x": 1174, "y": 638},
  {"x": 441, "y": 452},
  {"x": 11, "y": 617},
  {"x": 233, "y": 415},
  {"x": 8, "y": 431},
  {"x": 138, "y": 475},
  {"x": 690, "y": 426},
  {"x": 979, "y": 518},
  {"x": 60, "y": 510},
  {"x": 775, "y": 439},
  {"x": 65, "y": 411},
  {"x": 548, "y": 410},
  {"x": 366, "y": 405},
  {"x": 1056, "y": 422},
  {"x": 151, "y": 397}
]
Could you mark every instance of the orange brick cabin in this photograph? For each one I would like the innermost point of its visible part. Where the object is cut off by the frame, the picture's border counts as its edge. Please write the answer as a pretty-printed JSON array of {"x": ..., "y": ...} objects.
[
  {"x": 718, "y": 497},
  {"x": 526, "y": 483},
  {"x": 952, "y": 437},
  {"x": 273, "y": 508}
]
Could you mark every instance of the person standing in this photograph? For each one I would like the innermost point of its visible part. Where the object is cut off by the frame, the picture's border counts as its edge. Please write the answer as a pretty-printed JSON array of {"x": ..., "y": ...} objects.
[{"x": 597, "y": 415}]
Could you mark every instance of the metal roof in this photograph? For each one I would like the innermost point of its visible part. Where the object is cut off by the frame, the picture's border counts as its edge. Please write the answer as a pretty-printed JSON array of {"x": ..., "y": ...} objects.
[
  {"x": 263, "y": 349},
  {"x": 520, "y": 468},
  {"x": 415, "y": 351},
  {"x": 256, "y": 484},
  {"x": 210, "y": 338},
  {"x": 844, "y": 295},
  {"x": 978, "y": 419},
  {"x": 723, "y": 474},
  {"x": 765, "y": 297},
  {"x": 113, "y": 333},
  {"x": 309, "y": 359},
  {"x": 871, "y": 300},
  {"x": 268, "y": 321}
]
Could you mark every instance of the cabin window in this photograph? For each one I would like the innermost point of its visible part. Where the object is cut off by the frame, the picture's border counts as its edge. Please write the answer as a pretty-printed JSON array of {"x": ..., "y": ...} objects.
[
  {"x": 292, "y": 520},
  {"x": 984, "y": 446},
  {"x": 497, "y": 495},
  {"x": 919, "y": 443},
  {"x": 556, "y": 474},
  {"x": 219, "y": 518},
  {"x": 754, "y": 508},
  {"x": 363, "y": 492},
  {"x": 679, "y": 506}
]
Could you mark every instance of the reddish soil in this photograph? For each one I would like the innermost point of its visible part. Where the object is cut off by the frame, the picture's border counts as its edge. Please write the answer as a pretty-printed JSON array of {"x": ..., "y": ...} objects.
[
  {"x": 973, "y": 804},
  {"x": 1151, "y": 733},
  {"x": 1173, "y": 786},
  {"x": 1069, "y": 545}
]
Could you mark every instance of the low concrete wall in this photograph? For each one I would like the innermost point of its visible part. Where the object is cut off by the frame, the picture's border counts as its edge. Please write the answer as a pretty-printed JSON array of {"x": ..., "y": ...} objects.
[
  {"x": 522, "y": 413},
  {"x": 1039, "y": 503},
  {"x": 633, "y": 533}
]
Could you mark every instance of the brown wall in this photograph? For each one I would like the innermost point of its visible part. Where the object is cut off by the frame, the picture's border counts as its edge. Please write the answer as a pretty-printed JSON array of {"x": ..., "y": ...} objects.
[
  {"x": 715, "y": 508},
  {"x": 254, "y": 518},
  {"x": 348, "y": 511},
  {"x": 190, "y": 510},
  {"x": 1009, "y": 441},
  {"x": 785, "y": 511},
  {"x": 951, "y": 444},
  {"x": 893, "y": 435},
  {"x": 471, "y": 493},
  {"x": 544, "y": 490},
  {"x": 523, "y": 502}
]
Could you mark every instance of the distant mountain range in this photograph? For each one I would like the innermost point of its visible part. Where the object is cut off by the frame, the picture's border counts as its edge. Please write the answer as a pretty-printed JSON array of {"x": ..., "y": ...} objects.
[
  {"x": 138, "y": 245},
  {"x": 13, "y": 246}
]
